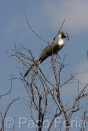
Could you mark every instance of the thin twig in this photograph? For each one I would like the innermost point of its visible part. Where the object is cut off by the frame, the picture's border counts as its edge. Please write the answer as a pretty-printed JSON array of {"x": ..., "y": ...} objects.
[{"x": 32, "y": 29}]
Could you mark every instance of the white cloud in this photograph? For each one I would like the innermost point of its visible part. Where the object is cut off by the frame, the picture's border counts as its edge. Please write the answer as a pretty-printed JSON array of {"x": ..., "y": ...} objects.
[
  {"x": 52, "y": 13},
  {"x": 73, "y": 11}
]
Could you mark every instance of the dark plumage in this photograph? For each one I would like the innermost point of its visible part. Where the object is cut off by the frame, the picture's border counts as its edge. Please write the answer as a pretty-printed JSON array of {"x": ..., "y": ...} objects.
[{"x": 49, "y": 50}]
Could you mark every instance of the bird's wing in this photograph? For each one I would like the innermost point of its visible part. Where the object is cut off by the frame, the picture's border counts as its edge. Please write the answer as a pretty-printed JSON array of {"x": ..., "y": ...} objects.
[{"x": 48, "y": 51}]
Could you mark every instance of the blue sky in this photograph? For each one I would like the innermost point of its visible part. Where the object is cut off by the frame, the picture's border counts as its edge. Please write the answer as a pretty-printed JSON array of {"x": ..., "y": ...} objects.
[{"x": 46, "y": 17}]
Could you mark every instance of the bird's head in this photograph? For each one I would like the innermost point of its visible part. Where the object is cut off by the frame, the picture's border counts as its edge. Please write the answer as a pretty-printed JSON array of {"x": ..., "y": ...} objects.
[
  {"x": 61, "y": 35},
  {"x": 60, "y": 40}
]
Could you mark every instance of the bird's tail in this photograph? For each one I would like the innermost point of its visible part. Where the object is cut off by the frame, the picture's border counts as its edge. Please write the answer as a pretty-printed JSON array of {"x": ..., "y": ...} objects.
[{"x": 29, "y": 69}]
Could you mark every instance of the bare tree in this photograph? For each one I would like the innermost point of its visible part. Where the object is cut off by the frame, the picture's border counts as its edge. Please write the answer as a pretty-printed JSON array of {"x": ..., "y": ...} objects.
[
  {"x": 3, "y": 115},
  {"x": 44, "y": 95}
]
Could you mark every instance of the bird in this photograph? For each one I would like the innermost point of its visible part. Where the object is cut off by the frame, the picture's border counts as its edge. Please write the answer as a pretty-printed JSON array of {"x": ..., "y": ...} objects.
[{"x": 49, "y": 50}]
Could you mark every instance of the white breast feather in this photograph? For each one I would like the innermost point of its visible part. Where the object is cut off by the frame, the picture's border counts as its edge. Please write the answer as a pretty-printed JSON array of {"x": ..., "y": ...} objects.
[{"x": 61, "y": 43}]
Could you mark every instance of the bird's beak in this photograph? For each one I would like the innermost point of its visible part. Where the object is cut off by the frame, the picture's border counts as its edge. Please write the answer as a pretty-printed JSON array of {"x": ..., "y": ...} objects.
[{"x": 64, "y": 36}]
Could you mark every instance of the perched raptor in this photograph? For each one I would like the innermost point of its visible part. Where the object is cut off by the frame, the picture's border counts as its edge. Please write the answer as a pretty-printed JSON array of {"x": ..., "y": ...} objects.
[{"x": 49, "y": 50}]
